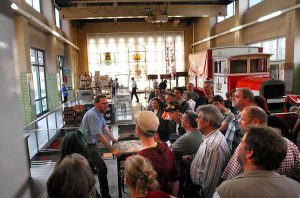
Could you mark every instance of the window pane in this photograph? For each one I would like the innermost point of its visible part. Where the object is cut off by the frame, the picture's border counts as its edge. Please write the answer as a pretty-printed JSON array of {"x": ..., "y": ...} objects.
[
  {"x": 222, "y": 66},
  {"x": 29, "y": 2},
  {"x": 44, "y": 104},
  {"x": 35, "y": 82},
  {"x": 230, "y": 10},
  {"x": 60, "y": 61},
  {"x": 122, "y": 46},
  {"x": 238, "y": 66},
  {"x": 38, "y": 107},
  {"x": 38, "y": 75},
  {"x": 270, "y": 47},
  {"x": 32, "y": 56},
  {"x": 255, "y": 45},
  {"x": 42, "y": 82},
  {"x": 258, "y": 65},
  {"x": 40, "y": 58},
  {"x": 253, "y": 2},
  {"x": 281, "y": 49},
  {"x": 57, "y": 19},
  {"x": 36, "y": 5},
  {"x": 220, "y": 19},
  {"x": 216, "y": 67}
]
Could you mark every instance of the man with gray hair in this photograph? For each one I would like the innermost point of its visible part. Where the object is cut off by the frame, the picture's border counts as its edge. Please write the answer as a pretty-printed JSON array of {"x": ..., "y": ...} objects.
[
  {"x": 290, "y": 166},
  {"x": 212, "y": 155}
]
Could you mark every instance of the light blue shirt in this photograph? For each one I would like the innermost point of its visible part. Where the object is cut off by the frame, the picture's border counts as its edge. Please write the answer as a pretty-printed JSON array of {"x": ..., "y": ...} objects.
[{"x": 93, "y": 123}]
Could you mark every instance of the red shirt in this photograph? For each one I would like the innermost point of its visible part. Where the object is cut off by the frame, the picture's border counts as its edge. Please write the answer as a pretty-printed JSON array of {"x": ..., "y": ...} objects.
[
  {"x": 157, "y": 194},
  {"x": 163, "y": 162}
]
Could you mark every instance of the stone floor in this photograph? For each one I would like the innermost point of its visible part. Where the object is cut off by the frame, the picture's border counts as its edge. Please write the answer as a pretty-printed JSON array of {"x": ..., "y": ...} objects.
[
  {"x": 42, "y": 166},
  {"x": 41, "y": 172}
]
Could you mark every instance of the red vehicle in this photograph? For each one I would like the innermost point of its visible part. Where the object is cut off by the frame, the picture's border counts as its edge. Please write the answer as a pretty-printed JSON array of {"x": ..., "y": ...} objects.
[{"x": 237, "y": 67}]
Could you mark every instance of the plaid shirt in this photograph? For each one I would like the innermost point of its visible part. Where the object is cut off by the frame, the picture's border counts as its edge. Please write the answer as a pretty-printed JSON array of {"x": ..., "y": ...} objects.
[
  {"x": 290, "y": 166},
  {"x": 234, "y": 133}
]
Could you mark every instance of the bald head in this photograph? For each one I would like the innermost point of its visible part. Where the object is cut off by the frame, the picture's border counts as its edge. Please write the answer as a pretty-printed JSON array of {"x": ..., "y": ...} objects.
[{"x": 253, "y": 115}]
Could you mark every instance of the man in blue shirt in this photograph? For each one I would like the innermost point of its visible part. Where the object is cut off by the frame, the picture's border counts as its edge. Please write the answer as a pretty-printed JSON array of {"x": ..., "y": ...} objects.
[
  {"x": 64, "y": 92},
  {"x": 94, "y": 124}
]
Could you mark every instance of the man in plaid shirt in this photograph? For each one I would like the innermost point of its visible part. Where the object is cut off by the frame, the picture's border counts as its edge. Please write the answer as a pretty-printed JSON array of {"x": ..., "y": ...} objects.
[
  {"x": 290, "y": 166},
  {"x": 243, "y": 98}
]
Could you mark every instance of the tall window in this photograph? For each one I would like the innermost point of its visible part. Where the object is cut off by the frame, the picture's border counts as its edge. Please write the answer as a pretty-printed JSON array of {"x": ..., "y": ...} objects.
[
  {"x": 60, "y": 64},
  {"x": 230, "y": 12},
  {"x": 38, "y": 73},
  {"x": 35, "y": 4},
  {"x": 57, "y": 18},
  {"x": 136, "y": 54},
  {"x": 254, "y": 2},
  {"x": 274, "y": 46}
]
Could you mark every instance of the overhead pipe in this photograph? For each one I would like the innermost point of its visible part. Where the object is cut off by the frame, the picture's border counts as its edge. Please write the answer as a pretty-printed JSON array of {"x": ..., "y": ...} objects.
[
  {"x": 41, "y": 24},
  {"x": 261, "y": 19}
]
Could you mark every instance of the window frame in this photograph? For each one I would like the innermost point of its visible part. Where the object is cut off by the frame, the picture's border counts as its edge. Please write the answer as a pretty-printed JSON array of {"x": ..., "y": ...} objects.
[
  {"x": 260, "y": 44},
  {"x": 226, "y": 17},
  {"x": 60, "y": 65},
  {"x": 254, "y": 4},
  {"x": 154, "y": 60},
  {"x": 38, "y": 66},
  {"x": 255, "y": 69},
  {"x": 56, "y": 8},
  {"x": 238, "y": 59},
  {"x": 32, "y": 5}
]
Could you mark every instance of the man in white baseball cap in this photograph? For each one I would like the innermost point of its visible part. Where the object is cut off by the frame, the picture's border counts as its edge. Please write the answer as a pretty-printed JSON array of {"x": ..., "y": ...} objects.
[{"x": 159, "y": 154}]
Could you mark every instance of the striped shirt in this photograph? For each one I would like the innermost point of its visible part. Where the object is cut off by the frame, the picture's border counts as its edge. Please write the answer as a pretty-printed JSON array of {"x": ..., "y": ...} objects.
[
  {"x": 234, "y": 133},
  {"x": 290, "y": 166},
  {"x": 209, "y": 163}
]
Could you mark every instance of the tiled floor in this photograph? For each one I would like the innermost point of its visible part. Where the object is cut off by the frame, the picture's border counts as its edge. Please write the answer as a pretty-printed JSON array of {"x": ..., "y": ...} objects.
[
  {"x": 40, "y": 174},
  {"x": 43, "y": 166}
]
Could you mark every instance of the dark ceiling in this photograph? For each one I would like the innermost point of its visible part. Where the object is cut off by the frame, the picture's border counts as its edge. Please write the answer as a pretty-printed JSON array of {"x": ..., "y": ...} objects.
[
  {"x": 91, "y": 11},
  {"x": 72, "y": 3}
]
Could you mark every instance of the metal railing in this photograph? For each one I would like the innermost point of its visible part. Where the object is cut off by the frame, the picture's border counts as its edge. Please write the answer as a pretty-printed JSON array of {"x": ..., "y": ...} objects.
[{"x": 41, "y": 131}]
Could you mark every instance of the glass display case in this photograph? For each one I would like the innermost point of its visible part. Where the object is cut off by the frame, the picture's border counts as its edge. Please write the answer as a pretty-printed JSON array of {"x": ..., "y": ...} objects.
[{"x": 123, "y": 108}]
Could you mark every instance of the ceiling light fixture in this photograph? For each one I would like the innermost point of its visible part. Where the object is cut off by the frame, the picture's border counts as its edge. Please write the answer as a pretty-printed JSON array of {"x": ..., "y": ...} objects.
[
  {"x": 163, "y": 18},
  {"x": 269, "y": 16},
  {"x": 235, "y": 28},
  {"x": 55, "y": 33},
  {"x": 14, "y": 6},
  {"x": 206, "y": 39},
  {"x": 261, "y": 19}
]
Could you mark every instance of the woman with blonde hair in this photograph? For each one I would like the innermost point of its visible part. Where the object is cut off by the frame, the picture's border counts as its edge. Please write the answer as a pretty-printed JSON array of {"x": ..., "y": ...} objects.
[{"x": 140, "y": 178}]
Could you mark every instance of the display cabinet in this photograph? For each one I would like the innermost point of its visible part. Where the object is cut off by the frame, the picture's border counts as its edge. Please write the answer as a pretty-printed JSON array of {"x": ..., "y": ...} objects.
[{"x": 123, "y": 108}]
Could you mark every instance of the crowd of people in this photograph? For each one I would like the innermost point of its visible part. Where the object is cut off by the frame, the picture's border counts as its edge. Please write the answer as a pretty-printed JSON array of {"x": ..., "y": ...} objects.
[{"x": 195, "y": 145}]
